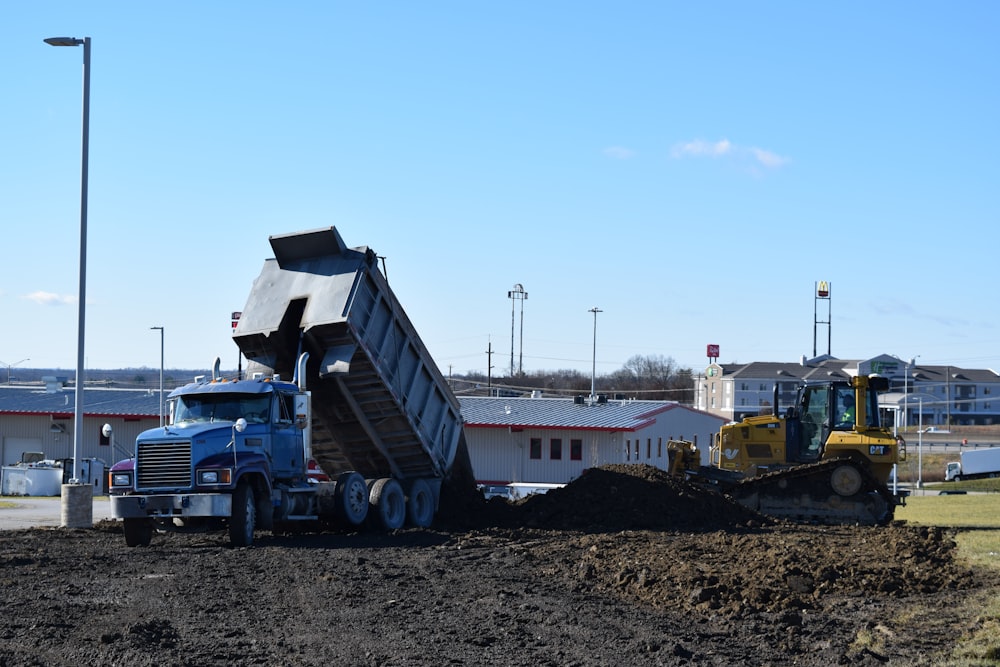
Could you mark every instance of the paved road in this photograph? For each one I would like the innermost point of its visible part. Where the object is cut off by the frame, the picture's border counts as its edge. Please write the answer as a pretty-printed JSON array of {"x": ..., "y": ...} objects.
[{"x": 42, "y": 511}]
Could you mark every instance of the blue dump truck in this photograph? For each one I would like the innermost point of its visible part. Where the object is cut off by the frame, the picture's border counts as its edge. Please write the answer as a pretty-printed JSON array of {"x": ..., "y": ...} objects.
[{"x": 337, "y": 378}]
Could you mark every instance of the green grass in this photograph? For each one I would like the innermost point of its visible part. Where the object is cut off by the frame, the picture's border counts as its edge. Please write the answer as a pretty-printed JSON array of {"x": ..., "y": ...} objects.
[
  {"x": 976, "y": 518},
  {"x": 953, "y": 511}
]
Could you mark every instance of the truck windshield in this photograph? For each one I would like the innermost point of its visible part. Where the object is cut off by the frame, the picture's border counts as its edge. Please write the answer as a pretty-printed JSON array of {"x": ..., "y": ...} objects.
[{"x": 255, "y": 408}]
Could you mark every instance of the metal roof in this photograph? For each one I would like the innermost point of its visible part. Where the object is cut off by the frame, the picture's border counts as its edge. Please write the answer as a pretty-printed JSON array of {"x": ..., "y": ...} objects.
[
  {"x": 37, "y": 399},
  {"x": 614, "y": 415}
]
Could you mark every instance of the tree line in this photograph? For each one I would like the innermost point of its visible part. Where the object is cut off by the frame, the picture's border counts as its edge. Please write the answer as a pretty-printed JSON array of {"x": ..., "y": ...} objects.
[{"x": 650, "y": 377}]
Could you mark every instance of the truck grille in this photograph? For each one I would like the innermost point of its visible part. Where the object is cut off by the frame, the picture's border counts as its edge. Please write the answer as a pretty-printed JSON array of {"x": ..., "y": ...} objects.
[{"x": 163, "y": 465}]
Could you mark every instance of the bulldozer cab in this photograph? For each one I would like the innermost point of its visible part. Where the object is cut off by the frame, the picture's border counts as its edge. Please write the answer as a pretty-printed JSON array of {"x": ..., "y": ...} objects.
[
  {"x": 814, "y": 410},
  {"x": 831, "y": 407}
]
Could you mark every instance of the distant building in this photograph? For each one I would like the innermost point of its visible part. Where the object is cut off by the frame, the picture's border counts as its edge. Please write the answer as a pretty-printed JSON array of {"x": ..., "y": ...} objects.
[
  {"x": 920, "y": 394},
  {"x": 40, "y": 418},
  {"x": 553, "y": 440}
]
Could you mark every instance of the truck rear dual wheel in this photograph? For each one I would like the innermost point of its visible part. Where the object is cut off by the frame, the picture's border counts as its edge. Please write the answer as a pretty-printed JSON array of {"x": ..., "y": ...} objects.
[
  {"x": 420, "y": 505},
  {"x": 388, "y": 503},
  {"x": 351, "y": 498}
]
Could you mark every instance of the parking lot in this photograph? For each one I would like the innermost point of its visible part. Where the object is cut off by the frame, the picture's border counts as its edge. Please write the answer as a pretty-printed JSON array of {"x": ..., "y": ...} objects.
[{"x": 42, "y": 511}]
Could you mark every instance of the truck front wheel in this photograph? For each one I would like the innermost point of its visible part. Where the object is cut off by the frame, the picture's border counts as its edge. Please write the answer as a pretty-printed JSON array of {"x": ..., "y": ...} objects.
[
  {"x": 138, "y": 532},
  {"x": 244, "y": 517}
]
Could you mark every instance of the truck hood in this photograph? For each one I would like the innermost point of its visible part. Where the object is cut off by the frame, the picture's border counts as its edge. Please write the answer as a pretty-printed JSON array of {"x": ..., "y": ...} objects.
[{"x": 189, "y": 430}]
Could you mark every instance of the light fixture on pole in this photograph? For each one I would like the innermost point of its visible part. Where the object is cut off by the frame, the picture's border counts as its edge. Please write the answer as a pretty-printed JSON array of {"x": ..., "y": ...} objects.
[
  {"x": 593, "y": 367},
  {"x": 82, "y": 296},
  {"x": 10, "y": 366},
  {"x": 514, "y": 295},
  {"x": 161, "y": 372}
]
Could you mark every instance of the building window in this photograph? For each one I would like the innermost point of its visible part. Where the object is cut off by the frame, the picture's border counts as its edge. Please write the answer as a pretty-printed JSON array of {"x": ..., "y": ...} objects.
[
  {"x": 763, "y": 387},
  {"x": 659, "y": 448},
  {"x": 637, "y": 450},
  {"x": 576, "y": 449},
  {"x": 649, "y": 448},
  {"x": 628, "y": 450},
  {"x": 555, "y": 449},
  {"x": 744, "y": 386},
  {"x": 986, "y": 391},
  {"x": 536, "y": 448}
]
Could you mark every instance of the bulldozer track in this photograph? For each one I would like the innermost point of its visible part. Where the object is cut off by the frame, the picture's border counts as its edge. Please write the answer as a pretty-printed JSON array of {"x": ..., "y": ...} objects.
[{"x": 806, "y": 493}]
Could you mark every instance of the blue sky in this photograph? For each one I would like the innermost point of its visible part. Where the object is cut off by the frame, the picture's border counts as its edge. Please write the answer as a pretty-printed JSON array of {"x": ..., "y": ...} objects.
[{"x": 691, "y": 170}]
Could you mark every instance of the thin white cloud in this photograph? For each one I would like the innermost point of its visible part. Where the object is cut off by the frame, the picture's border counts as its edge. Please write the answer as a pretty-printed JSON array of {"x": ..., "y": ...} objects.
[
  {"x": 619, "y": 152},
  {"x": 725, "y": 148},
  {"x": 768, "y": 159},
  {"x": 50, "y": 299},
  {"x": 698, "y": 148}
]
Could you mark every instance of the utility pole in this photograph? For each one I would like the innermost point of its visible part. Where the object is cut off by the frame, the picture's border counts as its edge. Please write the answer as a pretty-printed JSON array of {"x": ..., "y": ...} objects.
[{"x": 489, "y": 367}]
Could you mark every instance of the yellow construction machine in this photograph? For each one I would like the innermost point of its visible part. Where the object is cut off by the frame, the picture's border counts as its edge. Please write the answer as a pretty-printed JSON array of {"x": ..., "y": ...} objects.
[{"x": 826, "y": 460}]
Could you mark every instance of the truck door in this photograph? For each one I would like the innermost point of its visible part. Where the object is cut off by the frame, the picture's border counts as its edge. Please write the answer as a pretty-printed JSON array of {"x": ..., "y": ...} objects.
[{"x": 286, "y": 441}]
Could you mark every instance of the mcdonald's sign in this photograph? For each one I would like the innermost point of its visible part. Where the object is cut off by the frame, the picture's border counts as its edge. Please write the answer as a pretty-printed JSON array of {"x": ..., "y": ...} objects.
[{"x": 823, "y": 290}]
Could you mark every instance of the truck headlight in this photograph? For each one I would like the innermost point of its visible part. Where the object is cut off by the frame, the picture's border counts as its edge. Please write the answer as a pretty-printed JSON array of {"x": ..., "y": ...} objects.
[
  {"x": 214, "y": 477},
  {"x": 119, "y": 479}
]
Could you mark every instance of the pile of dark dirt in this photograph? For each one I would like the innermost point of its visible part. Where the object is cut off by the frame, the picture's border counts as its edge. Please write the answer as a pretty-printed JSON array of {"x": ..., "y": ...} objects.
[
  {"x": 605, "y": 499},
  {"x": 770, "y": 570},
  {"x": 634, "y": 497}
]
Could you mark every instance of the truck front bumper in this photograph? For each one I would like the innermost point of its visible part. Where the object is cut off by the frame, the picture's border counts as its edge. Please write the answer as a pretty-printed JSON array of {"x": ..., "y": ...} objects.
[{"x": 170, "y": 506}]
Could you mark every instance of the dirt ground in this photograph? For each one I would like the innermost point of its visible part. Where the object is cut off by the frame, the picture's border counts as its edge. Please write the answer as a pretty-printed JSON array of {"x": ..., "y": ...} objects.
[{"x": 624, "y": 566}]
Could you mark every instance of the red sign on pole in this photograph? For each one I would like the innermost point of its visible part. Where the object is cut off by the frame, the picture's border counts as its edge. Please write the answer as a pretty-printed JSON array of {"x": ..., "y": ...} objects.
[
  {"x": 713, "y": 351},
  {"x": 236, "y": 319}
]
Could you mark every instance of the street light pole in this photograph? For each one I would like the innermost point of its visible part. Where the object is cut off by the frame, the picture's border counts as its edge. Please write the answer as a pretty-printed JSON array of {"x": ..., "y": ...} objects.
[
  {"x": 82, "y": 296},
  {"x": 920, "y": 444},
  {"x": 161, "y": 372},
  {"x": 593, "y": 367}
]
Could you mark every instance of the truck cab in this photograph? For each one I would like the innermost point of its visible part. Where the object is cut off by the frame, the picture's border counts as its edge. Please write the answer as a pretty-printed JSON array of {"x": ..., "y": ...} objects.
[{"x": 229, "y": 448}]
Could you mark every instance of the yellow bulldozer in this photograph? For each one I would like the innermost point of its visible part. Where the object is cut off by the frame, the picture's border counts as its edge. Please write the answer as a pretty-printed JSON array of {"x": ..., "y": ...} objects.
[{"x": 826, "y": 460}]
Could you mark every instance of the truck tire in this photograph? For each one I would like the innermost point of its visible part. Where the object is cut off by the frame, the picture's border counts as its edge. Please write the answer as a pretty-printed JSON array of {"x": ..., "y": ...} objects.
[
  {"x": 244, "y": 517},
  {"x": 420, "y": 504},
  {"x": 138, "y": 532},
  {"x": 388, "y": 502},
  {"x": 351, "y": 498}
]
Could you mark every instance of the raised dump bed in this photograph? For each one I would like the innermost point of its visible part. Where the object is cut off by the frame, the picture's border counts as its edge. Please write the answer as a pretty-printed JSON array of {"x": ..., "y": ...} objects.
[{"x": 380, "y": 405}]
